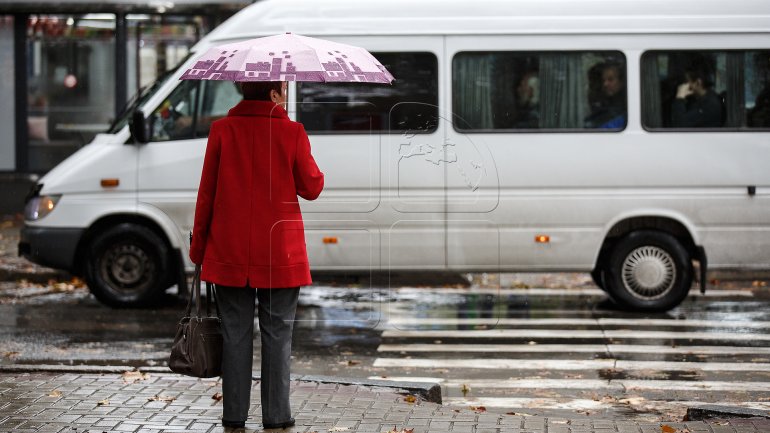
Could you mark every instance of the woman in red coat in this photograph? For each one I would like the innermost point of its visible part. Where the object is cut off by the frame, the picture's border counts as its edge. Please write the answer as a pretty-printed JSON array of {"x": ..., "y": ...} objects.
[{"x": 248, "y": 234}]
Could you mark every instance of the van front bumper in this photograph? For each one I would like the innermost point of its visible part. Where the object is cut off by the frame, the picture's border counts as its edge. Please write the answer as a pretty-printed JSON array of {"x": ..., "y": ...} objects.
[{"x": 51, "y": 247}]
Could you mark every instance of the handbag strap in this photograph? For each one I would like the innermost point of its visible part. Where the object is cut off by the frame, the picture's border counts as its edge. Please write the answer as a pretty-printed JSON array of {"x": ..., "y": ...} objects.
[
  {"x": 195, "y": 293},
  {"x": 211, "y": 299},
  {"x": 195, "y": 296}
]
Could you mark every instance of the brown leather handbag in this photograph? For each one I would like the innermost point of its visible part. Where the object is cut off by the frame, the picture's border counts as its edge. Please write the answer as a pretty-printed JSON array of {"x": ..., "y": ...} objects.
[{"x": 197, "y": 348}]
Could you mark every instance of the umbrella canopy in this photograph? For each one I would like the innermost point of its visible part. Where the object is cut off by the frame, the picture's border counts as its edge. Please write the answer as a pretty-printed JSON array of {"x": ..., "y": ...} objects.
[{"x": 288, "y": 57}]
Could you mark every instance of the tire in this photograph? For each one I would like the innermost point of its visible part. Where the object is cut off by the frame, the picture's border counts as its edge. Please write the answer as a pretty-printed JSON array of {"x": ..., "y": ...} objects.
[
  {"x": 127, "y": 265},
  {"x": 648, "y": 271},
  {"x": 597, "y": 275}
]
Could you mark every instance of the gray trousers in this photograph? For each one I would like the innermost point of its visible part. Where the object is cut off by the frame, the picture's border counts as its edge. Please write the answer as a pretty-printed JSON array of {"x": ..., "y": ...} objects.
[{"x": 276, "y": 310}]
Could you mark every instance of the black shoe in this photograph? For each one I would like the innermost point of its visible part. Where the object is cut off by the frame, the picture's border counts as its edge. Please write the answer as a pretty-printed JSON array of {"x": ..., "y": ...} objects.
[
  {"x": 285, "y": 424},
  {"x": 233, "y": 424}
]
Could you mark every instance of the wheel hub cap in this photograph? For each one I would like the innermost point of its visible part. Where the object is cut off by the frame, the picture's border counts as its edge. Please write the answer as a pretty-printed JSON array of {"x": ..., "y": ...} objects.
[
  {"x": 649, "y": 272},
  {"x": 127, "y": 265}
]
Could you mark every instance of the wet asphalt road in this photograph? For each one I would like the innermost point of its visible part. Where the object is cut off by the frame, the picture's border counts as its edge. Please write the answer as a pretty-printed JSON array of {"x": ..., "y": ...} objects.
[{"x": 551, "y": 351}]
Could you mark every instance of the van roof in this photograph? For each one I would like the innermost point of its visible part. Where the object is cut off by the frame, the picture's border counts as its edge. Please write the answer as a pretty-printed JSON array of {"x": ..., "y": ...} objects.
[{"x": 450, "y": 17}]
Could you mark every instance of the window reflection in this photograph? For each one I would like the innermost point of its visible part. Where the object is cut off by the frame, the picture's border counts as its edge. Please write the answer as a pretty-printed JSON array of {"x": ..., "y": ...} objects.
[
  {"x": 539, "y": 91},
  {"x": 409, "y": 104},
  {"x": 706, "y": 89},
  {"x": 71, "y": 87}
]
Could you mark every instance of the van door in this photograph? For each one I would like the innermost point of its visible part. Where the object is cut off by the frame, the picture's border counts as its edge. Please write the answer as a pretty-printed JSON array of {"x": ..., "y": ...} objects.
[
  {"x": 170, "y": 164},
  {"x": 381, "y": 148},
  {"x": 472, "y": 181}
]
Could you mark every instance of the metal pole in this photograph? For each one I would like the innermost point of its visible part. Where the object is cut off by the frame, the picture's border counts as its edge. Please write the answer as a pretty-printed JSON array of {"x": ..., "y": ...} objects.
[
  {"x": 121, "y": 62},
  {"x": 20, "y": 60}
]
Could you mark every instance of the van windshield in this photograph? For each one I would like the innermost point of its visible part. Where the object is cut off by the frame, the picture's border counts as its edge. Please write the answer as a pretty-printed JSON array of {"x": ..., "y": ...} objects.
[{"x": 141, "y": 97}]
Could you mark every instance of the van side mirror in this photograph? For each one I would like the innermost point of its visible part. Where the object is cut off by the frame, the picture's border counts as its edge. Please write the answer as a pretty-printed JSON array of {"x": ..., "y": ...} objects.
[{"x": 141, "y": 128}]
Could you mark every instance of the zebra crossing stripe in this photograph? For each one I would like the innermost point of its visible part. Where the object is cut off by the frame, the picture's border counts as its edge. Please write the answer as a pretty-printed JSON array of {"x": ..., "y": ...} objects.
[
  {"x": 575, "y": 348},
  {"x": 576, "y": 334},
  {"x": 596, "y": 384},
  {"x": 449, "y": 321},
  {"x": 567, "y": 364},
  {"x": 543, "y": 291},
  {"x": 579, "y": 404}
]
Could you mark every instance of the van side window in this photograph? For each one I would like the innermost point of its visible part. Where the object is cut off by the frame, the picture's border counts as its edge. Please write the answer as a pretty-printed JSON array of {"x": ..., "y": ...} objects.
[
  {"x": 191, "y": 108},
  {"x": 716, "y": 90},
  {"x": 217, "y": 98},
  {"x": 539, "y": 91},
  {"x": 409, "y": 104}
]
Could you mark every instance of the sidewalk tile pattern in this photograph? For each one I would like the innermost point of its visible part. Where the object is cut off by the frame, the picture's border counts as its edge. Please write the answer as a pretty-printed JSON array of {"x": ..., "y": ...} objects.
[{"x": 57, "y": 403}]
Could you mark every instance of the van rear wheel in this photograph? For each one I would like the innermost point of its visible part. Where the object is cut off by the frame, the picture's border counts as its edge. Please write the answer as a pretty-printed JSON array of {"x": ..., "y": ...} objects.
[
  {"x": 126, "y": 266},
  {"x": 649, "y": 271}
]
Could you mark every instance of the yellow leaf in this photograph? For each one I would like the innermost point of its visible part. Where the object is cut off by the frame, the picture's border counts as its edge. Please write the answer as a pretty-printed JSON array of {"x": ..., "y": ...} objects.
[
  {"x": 465, "y": 389},
  {"x": 104, "y": 402},
  {"x": 217, "y": 396},
  {"x": 667, "y": 429},
  {"x": 134, "y": 376},
  {"x": 479, "y": 408},
  {"x": 410, "y": 399},
  {"x": 55, "y": 393}
]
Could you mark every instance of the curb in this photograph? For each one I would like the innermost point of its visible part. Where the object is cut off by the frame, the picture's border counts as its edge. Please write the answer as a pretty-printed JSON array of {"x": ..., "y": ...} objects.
[
  {"x": 430, "y": 392},
  {"x": 704, "y": 412},
  {"x": 33, "y": 277}
]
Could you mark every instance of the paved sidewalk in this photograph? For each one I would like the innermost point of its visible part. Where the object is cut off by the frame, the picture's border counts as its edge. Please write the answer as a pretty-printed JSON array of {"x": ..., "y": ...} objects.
[{"x": 165, "y": 402}]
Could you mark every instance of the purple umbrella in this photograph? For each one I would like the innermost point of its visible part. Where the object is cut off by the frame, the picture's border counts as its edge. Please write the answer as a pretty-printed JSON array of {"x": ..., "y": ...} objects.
[{"x": 288, "y": 57}]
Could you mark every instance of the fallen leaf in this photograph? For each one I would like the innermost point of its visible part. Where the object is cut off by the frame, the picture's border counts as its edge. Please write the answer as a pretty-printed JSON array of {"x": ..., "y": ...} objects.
[
  {"x": 465, "y": 389},
  {"x": 410, "y": 398},
  {"x": 158, "y": 397},
  {"x": 134, "y": 376},
  {"x": 404, "y": 430},
  {"x": 55, "y": 393},
  {"x": 632, "y": 401},
  {"x": 217, "y": 396},
  {"x": 352, "y": 362},
  {"x": 335, "y": 429},
  {"x": 665, "y": 428},
  {"x": 10, "y": 354},
  {"x": 104, "y": 402},
  {"x": 479, "y": 408}
]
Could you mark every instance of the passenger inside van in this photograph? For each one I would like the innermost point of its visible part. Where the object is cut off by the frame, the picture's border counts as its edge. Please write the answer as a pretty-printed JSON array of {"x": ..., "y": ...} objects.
[
  {"x": 696, "y": 104},
  {"x": 607, "y": 96},
  {"x": 528, "y": 101}
]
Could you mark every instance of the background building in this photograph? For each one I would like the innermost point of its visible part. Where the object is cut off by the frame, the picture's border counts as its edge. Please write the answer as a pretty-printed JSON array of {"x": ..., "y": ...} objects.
[{"x": 71, "y": 66}]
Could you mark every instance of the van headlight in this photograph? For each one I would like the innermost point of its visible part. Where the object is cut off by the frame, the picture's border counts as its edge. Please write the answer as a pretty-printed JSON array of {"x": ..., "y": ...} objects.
[{"x": 40, "y": 206}]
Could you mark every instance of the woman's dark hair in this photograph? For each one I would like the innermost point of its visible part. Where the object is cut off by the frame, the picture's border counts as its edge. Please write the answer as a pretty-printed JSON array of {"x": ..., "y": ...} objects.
[
  {"x": 259, "y": 90},
  {"x": 700, "y": 68}
]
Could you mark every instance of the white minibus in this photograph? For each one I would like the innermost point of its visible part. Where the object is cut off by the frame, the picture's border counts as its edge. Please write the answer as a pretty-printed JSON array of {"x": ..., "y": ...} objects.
[{"x": 629, "y": 139}]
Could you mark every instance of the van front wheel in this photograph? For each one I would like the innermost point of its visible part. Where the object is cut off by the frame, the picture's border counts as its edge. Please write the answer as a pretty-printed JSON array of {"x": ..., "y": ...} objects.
[
  {"x": 649, "y": 271},
  {"x": 126, "y": 265}
]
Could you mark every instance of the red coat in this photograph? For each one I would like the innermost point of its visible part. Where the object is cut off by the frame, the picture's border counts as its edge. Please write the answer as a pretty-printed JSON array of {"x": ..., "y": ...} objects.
[{"x": 248, "y": 227}]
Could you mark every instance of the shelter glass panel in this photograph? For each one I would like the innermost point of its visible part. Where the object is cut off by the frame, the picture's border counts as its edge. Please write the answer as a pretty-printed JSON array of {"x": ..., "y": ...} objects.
[
  {"x": 409, "y": 104},
  {"x": 539, "y": 91},
  {"x": 71, "y": 84},
  {"x": 7, "y": 95}
]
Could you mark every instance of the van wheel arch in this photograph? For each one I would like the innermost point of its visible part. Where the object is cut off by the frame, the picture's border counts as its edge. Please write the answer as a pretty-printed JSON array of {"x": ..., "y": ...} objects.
[
  {"x": 621, "y": 231},
  {"x": 172, "y": 260}
]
